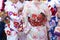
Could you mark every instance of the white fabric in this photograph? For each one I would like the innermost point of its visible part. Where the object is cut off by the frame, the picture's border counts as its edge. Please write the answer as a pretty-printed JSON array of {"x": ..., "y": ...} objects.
[{"x": 9, "y": 7}]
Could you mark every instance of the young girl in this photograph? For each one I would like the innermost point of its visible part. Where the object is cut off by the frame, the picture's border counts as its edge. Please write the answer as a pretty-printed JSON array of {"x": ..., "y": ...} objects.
[
  {"x": 35, "y": 19},
  {"x": 12, "y": 19},
  {"x": 53, "y": 21}
]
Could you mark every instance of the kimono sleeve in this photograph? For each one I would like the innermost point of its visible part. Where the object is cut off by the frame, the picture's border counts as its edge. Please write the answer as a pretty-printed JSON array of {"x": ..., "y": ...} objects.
[
  {"x": 25, "y": 18},
  {"x": 6, "y": 28},
  {"x": 26, "y": 26}
]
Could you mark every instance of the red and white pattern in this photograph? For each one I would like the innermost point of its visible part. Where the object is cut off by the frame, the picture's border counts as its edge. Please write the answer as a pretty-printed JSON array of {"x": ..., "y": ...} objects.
[
  {"x": 11, "y": 29},
  {"x": 34, "y": 32}
]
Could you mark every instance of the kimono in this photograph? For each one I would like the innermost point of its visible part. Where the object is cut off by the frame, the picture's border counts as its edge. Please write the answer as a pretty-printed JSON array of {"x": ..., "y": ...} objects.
[
  {"x": 34, "y": 30},
  {"x": 54, "y": 20},
  {"x": 14, "y": 20}
]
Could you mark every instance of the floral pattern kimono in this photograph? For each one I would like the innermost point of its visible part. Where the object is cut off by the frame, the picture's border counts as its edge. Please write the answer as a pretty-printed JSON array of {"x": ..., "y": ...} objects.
[
  {"x": 11, "y": 28},
  {"x": 53, "y": 24},
  {"x": 35, "y": 31},
  {"x": 54, "y": 20}
]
